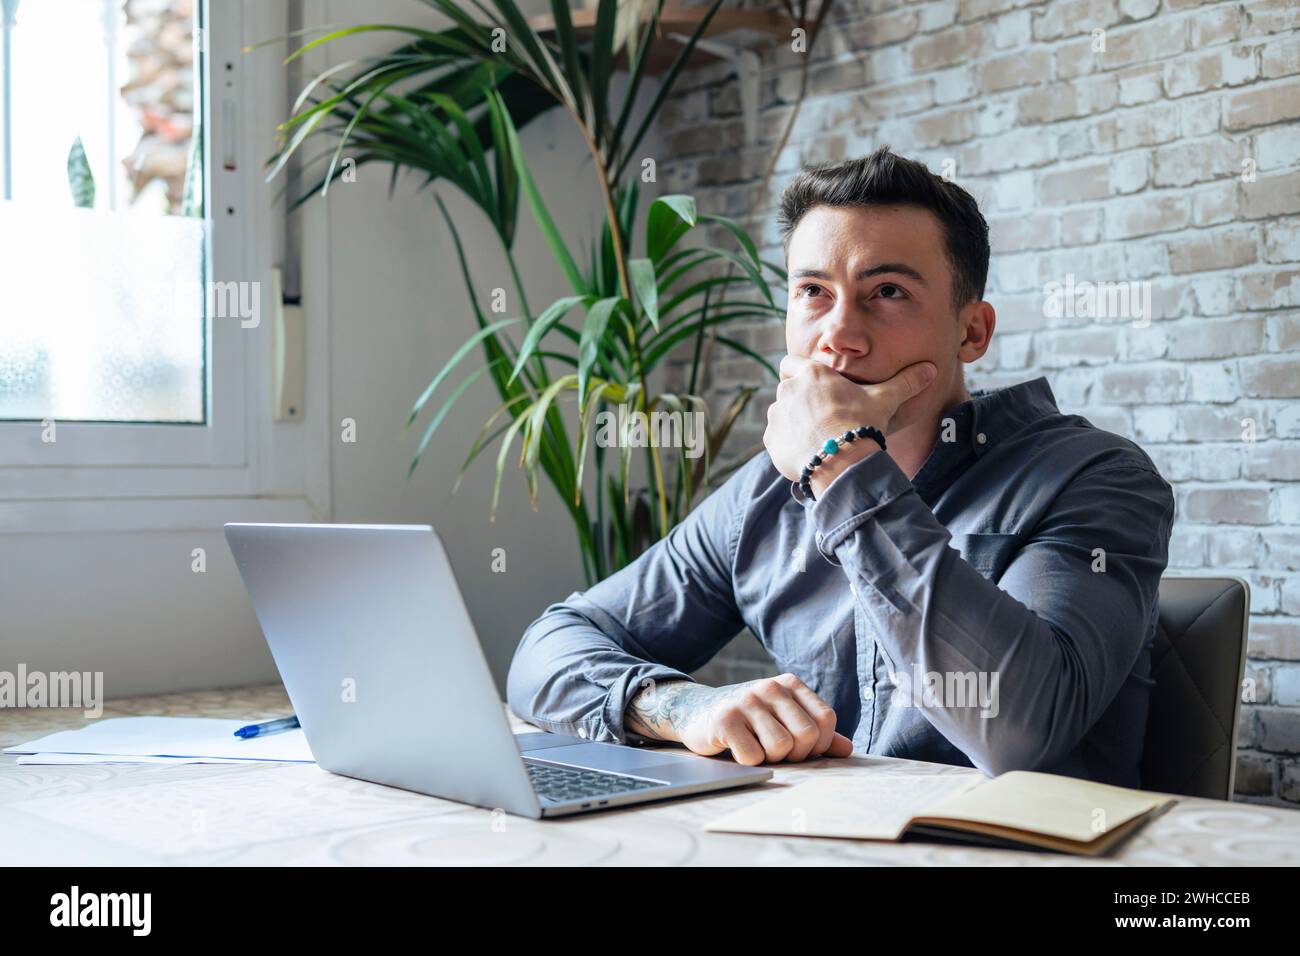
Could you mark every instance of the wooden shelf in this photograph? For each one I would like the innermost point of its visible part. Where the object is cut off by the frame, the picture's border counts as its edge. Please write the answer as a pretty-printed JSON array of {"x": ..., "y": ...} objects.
[{"x": 752, "y": 27}]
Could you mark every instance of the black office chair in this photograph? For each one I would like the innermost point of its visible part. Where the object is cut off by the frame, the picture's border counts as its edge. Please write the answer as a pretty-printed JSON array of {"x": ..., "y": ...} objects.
[{"x": 1198, "y": 661}]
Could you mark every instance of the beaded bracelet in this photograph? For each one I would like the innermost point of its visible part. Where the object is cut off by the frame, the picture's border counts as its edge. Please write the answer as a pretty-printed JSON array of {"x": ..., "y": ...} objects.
[{"x": 830, "y": 447}]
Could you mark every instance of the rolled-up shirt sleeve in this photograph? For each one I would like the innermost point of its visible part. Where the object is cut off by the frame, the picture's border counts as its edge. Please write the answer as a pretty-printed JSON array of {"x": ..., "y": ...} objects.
[
  {"x": 1062, "y": 628},
  {"x": 663, "y": 615}
]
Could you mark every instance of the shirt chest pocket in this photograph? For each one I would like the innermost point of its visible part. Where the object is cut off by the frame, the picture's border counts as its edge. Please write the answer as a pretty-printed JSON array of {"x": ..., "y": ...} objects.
[{"x": 987, "y": 553}]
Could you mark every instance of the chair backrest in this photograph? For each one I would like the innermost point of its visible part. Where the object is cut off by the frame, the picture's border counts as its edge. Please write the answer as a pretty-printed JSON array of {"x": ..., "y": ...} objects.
[{"x": 1197, "y": 661}]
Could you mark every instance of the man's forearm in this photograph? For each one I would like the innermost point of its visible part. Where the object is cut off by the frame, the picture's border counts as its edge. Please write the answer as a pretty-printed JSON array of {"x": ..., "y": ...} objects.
[
  {"x": 661, "y": 710},
  {"x": 566, "y": 667}
]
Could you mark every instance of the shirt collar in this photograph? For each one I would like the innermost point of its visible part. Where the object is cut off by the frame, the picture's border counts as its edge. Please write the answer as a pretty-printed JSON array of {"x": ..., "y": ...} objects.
[
  {"x": 991, "y": 415},
  {"x": 967, "y": 431}
]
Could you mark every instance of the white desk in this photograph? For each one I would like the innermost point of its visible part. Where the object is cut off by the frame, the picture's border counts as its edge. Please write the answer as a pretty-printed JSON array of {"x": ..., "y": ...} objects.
[{"x": 297, "y": 814}]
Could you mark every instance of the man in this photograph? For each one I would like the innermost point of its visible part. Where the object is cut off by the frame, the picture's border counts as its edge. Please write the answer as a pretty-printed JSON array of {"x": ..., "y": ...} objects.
[{"x": 981, "y": 592}]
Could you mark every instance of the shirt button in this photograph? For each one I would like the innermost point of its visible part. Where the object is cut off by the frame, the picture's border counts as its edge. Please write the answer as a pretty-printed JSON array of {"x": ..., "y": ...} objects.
[
  {"x": 981, "y": 438},
  {"x": 582, "y": 732}
]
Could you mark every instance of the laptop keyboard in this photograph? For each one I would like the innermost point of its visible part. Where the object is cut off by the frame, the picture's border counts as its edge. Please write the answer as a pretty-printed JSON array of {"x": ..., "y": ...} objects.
[{"x": 569, "y": 783}]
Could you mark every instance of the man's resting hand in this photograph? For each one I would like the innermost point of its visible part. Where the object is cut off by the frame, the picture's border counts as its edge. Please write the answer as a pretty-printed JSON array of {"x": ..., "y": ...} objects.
[{"x": 767, "y": 720}]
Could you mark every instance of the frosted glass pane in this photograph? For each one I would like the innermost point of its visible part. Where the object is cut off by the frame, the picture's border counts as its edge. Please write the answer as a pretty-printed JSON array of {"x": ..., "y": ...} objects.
[{"x": 101, "y": 315}]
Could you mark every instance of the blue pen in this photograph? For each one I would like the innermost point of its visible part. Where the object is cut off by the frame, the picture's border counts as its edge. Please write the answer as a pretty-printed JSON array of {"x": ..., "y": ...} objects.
[{"x": 270, "y": 727}]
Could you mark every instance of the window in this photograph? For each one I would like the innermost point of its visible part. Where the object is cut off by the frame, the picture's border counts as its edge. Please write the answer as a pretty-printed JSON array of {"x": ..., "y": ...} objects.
[{"x": 137, "y": 236}]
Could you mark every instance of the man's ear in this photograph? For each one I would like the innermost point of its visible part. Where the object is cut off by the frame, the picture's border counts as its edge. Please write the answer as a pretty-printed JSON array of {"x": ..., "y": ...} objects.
[{"x": 977, "y": 323}]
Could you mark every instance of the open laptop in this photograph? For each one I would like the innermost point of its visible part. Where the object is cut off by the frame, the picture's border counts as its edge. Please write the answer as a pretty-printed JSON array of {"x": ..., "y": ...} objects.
[{"x": 386, "y": 675}]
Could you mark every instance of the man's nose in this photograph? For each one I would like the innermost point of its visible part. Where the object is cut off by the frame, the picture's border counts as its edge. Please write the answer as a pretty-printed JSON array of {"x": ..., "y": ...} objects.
[{"x": 844, "y": 332}]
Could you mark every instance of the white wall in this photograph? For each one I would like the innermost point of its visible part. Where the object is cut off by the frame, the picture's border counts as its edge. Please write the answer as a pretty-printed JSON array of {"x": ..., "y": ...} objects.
[{"x": 399, "y": 310}]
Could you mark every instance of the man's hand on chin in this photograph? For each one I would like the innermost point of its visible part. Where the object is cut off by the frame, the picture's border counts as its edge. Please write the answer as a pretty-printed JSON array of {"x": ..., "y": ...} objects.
[{"x": 814, "y": 402}]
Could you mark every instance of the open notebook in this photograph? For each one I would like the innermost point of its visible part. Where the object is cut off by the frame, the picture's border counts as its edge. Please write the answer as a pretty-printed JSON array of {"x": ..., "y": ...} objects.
[{"x": 1016, "y": 810}]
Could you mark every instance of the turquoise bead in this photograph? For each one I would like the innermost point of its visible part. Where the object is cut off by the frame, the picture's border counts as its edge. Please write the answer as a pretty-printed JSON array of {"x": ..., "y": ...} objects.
[{"x": 831, "y": 447}]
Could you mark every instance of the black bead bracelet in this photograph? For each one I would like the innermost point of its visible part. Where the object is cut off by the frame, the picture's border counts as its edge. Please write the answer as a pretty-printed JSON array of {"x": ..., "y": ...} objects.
[{"x": 830, "y": 447}]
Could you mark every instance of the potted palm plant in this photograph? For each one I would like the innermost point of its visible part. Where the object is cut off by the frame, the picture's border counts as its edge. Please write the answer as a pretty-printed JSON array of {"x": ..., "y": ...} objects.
[{"x": 447, "y": 105}]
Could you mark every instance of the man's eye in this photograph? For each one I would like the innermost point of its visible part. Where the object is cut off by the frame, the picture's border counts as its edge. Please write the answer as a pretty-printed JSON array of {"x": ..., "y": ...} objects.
[
  {"x": 894, "y": 287},
  {"x": 805, "y": 289}
]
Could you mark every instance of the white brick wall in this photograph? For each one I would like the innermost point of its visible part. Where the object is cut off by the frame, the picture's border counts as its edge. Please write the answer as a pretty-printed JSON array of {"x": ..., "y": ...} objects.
[{"x": 1118, "y": 165}]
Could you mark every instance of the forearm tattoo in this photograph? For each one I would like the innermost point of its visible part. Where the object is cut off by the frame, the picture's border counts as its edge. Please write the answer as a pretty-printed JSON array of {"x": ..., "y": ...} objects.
[{"x": 662, "y": 708}]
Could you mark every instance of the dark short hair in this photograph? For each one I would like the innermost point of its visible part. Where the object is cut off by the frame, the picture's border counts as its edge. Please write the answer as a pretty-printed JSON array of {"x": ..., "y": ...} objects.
[{"x": 886, "y": 179}]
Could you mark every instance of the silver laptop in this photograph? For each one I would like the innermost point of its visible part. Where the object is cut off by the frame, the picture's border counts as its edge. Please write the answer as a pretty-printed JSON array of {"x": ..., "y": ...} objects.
[{"x": 385, "y": 672}]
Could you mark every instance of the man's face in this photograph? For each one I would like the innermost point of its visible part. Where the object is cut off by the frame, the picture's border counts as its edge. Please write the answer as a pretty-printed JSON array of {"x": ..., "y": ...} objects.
[{"x": 870, "y": 294}]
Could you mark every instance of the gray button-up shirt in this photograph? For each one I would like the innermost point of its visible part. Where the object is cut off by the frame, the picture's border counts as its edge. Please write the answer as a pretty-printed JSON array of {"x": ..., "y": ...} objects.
[{"x": 997, "y": 610}]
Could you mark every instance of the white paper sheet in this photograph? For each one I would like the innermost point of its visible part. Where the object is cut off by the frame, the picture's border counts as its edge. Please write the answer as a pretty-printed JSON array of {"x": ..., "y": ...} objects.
[
  {"x": 54, "y": 759},
  {"x": 171, "y": 737}
]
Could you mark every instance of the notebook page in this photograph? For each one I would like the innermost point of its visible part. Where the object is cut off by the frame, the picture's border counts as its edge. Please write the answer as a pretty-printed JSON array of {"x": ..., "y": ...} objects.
[
  {"x": 862, "y": 806},
  {"x": 1066, "y": 807}
]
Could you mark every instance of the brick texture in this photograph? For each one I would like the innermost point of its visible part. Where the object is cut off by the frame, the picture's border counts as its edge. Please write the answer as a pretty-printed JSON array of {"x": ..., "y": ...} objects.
[{"x": 1171, "y": 157}]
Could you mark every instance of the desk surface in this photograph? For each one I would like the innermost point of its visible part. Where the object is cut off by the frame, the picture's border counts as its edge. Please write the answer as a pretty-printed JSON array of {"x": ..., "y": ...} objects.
[{"x": 297, "y": 814}]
